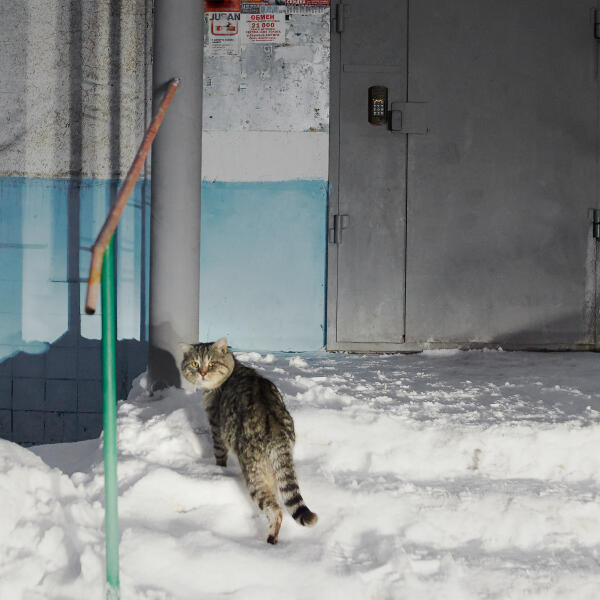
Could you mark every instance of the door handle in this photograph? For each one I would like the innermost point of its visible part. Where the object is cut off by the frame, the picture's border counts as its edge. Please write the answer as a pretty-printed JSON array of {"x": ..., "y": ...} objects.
[
  {"x": 340, "y": 222},
  {"x": 409, "y": 117},
  {"x": 395, "y": 118}
]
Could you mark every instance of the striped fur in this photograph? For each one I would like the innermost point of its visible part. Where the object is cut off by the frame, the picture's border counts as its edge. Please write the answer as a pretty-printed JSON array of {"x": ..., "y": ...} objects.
[
  {"x": 285, "y": 475},
  {"x": 248, "y": 417}
]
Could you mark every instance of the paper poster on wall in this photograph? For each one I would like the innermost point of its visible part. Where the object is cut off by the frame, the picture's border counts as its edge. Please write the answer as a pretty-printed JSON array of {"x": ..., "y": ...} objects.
[
  {"x": 307, "y": 2},
  {"x": 255, "y": 6},
  {"x": 223, "y": 18},
  {"x": 264, "y": 27},
  {"x": 306, "y": 7}
]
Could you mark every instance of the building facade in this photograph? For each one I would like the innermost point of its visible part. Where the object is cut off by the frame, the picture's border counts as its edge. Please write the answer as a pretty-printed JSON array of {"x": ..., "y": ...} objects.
[{"x": 76, "y": 98}]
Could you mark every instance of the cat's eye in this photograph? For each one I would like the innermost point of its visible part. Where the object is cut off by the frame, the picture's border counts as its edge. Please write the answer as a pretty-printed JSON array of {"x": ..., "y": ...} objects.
[{"x": 210, "y": 365}]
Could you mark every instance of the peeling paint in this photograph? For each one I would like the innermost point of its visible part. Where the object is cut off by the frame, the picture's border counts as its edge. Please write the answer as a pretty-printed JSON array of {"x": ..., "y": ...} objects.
[{"x": 272, "y": 87}]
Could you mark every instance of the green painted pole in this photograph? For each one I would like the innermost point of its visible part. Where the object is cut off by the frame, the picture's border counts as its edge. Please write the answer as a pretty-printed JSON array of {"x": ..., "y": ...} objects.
[{"x": 109, "y": 395}]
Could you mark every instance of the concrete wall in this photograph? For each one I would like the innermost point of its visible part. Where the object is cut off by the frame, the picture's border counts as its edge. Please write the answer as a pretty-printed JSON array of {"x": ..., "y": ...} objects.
[
  {"x": 264, "y": 201},
  {"x": 74, "y": 99}
]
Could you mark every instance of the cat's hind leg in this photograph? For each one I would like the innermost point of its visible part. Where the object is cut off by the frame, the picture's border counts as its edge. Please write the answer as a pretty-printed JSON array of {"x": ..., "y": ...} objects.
[{"x": 260, "y": 481}]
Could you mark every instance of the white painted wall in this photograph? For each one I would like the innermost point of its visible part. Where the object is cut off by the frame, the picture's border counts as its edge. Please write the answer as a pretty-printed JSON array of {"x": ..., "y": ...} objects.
[
  {"x": 264, "y": 155},
  {"x": 266, "y": 107}
]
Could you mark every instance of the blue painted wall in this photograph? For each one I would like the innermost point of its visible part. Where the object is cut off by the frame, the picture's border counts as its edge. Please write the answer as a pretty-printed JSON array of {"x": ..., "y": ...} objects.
[
  {"x": 262, "y": 262},
  {"x": 36, "y": 295},
  {"x": 262, "y": 258},
  {"x": 50, "y": 363},
  {"x": 263, "y": 242},
  {"x": 262, "y": 285}
]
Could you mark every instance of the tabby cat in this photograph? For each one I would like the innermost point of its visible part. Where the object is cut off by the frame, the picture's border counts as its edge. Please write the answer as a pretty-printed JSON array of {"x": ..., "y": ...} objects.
[{"x": 248, "y": 417}]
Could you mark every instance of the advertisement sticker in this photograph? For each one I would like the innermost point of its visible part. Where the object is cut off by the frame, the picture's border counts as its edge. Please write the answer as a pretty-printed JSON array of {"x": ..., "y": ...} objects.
[
  {"x": 223, "y": 20},
  {"x": 265, "y": 27}
]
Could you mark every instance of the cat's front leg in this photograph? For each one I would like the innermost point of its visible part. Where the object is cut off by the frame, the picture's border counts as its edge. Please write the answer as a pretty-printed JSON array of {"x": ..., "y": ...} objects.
[{"x": 219, "y": 447}]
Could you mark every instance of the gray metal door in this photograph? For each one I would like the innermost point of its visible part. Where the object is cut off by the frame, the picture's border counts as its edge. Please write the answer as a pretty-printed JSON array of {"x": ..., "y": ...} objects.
[
  {"x": 498, "y": 246},
  {"x": 368, "y": 200}
]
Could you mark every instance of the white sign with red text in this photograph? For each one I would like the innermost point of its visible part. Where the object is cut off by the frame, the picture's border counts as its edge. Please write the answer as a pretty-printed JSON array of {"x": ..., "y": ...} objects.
[
  {"x": 223, "y": 33},
  {"x": 263, "y": 28}
]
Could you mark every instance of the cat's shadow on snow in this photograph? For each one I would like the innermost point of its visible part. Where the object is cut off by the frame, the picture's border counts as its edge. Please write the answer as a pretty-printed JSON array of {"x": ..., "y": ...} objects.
[{"x": 164, "y": 403}]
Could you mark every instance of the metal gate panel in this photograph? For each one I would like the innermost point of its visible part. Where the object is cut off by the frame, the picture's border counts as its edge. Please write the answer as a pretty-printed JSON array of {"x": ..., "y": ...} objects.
[
  {"x": 367, "y": 210},
  {"x": 470, "y": 222},
  {"x": 499, "y": 244}
]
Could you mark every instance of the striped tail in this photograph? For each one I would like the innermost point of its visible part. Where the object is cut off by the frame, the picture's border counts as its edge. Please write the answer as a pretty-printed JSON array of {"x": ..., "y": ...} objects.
[{"x": 285, "y": 474}]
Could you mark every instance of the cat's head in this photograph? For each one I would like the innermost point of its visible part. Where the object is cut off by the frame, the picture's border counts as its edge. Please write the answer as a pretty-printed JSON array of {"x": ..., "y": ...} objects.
[{"x": 207, "y": 366}]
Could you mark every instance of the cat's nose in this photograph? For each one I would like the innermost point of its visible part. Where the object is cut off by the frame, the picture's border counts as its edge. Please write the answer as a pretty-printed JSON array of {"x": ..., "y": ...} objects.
[{"x": 203, "y": 373}]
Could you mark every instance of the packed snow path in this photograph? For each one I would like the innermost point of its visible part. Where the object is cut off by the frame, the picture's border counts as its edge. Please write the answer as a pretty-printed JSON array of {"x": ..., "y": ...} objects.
[{"x": 451, "y": 475}]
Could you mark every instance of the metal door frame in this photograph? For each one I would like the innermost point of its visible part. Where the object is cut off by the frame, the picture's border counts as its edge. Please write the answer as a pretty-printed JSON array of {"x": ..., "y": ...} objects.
[
  {"x": 331, "y": 287},
  {"x": 332, "y": 343}
]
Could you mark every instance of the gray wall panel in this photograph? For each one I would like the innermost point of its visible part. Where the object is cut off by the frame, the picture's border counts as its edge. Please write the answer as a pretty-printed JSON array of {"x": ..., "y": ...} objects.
[{"x": 499, "y": 189}]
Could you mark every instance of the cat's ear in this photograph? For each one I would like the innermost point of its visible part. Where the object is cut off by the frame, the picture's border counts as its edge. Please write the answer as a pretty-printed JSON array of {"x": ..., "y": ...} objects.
[
  {"x": 221, "y": 345},
  {"x": 185, "y": 348}
]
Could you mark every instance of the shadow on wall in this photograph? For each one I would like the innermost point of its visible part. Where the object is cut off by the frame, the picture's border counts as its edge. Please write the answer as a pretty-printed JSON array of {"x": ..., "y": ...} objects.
[
  {"x": 56, "y": 395},
  {"x": 50, "y": 389},
  {"x": 61, "y": 150}
]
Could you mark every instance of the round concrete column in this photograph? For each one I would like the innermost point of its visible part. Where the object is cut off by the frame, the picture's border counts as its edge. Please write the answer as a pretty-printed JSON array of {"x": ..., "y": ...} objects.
[{"x": 176, "y": 188}]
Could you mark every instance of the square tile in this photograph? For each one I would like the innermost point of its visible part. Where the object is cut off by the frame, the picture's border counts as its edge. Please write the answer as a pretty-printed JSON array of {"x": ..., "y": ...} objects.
[
  {"x": 29, "y": 365},
  {"x": 5, "y": 392},
  {"x": 61, "y": 363},
  {"x": 61, "y": 395},
  {"x": 90, "y": 426},
  {"x": 6, "y": 424},
  {"x": 28, "y": 427},
  {"x": 89, "y": 396},
  {"x": 28, "y": 394},
  {"x": 60, "y": 427},
  {"x": 89, "y": 363}
]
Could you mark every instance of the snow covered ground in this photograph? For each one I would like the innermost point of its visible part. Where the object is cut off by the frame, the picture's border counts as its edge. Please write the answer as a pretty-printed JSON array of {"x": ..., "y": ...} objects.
[{"x": 442, "y": 475}]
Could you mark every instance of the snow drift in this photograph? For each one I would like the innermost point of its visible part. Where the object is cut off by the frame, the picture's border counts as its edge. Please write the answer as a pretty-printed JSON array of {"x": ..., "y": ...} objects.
[{"x": 449, "y": 475}]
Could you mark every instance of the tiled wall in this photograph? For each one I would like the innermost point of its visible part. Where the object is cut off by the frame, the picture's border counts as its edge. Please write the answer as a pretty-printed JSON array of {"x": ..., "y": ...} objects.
[
  {"x": 50, "y": 361},
  {"x": 75, "y": 90}
]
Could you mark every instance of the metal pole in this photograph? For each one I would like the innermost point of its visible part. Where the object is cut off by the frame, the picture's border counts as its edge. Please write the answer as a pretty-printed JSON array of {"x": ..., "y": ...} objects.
[
  {"x": 109, "y": 396},
  {"x": 102, "y": 267},
  {"x": 176, "y": 181},
  {"x": 112, "y": 220}
]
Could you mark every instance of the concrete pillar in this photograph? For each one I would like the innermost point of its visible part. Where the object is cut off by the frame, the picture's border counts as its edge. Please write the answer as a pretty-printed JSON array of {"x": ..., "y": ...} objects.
[{"x": 176, "y": 186}]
